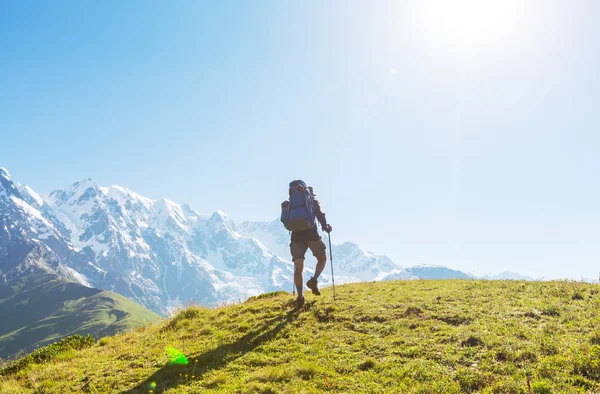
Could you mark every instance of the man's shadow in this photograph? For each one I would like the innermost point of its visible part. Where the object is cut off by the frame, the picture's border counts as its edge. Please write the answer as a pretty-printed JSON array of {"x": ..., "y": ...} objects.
[{"x": 173, "y": 375}]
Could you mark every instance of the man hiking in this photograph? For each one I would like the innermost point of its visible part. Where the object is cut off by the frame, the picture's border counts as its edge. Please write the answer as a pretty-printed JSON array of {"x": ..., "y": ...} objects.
[{"x": 299, "y": 215}]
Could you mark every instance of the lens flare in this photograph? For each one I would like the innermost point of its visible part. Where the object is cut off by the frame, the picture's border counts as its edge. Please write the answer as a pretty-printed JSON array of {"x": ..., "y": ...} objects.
[{"x": 176, "y": 357}]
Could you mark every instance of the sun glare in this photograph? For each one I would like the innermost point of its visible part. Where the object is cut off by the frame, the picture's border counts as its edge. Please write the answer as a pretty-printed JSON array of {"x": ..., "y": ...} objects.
[{"x": 472, "y": 24}]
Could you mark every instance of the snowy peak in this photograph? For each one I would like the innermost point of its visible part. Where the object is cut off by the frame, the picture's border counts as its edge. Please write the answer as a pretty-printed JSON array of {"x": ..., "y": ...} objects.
[
  {"x": 126, "y": 197},
  {"x": 5, "y": 174},
  {"x": 7, "y": 187},
  {"x": 31, "y": 197},
  {"x": 77, "y": 194},
  {"x": 170, "y": 216},
  {"x": 191, "y": 215},
  {"x": 349, "y": 247},
  {"x": 220, "y": 221},
  {"x": 20, "y": 212},
  {"x": 220, "y": 216},
  {"x": 361, "y": 264}
]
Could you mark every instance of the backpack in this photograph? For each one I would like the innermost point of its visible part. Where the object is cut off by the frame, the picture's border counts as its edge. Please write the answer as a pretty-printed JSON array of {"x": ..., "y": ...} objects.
[{"x": 298, "y": 214}]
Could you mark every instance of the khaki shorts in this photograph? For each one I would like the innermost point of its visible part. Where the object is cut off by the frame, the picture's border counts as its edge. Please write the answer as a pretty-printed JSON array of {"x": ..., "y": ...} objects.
[{"x": 299, "y": 249}]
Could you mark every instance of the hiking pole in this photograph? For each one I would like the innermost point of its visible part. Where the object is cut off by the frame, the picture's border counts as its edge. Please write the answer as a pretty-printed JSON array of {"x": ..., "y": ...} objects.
[
  {"x": 331, "y": 259},
  {"x": 293, "y": 275}
]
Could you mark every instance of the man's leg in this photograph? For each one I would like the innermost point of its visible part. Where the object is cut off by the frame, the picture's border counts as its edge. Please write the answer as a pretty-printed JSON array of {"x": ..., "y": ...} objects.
[
  {"x": 298, "y": 250},
  {"x": 321, "y": 261},
  {"x": 320, "y": 252},
  {"x": 298, "y": 267}
]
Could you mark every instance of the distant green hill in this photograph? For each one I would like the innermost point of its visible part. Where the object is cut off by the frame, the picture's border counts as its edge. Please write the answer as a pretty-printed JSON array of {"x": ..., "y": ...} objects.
[
  {"x": 454, "y": 336},
  {"x": 41, "y": 308}
]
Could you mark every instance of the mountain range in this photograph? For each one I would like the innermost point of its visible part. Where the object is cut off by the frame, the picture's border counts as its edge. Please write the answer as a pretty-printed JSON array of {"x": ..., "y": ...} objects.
[{"x": 161, "y": 254}]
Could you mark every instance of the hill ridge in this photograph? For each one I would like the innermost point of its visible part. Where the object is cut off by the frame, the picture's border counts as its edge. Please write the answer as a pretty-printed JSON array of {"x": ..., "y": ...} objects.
[{"x": 399, "y": 336}]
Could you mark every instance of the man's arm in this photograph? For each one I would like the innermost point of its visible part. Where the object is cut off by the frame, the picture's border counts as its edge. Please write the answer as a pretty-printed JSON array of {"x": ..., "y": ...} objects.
[{"x": 321, "y": 216}]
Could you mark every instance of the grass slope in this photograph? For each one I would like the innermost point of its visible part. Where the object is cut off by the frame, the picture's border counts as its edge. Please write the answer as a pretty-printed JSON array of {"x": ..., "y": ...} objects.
[
  {"x": 41, "y": 308},
  {"x": 402, "y": 337}
]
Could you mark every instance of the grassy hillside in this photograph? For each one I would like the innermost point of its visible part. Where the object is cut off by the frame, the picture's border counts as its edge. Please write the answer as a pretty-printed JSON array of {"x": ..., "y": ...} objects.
[
  {"x": 404, "y": 336},
  {"x": 42, "y": 308}
]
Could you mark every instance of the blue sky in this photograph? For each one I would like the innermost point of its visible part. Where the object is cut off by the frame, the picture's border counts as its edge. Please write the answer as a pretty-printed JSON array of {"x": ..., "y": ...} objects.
[{"x": 462, "y": 136}]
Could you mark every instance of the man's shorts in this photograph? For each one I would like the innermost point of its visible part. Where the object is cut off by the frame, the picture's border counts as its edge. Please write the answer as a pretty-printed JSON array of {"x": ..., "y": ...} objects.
[{"x": 299, "y": 249}]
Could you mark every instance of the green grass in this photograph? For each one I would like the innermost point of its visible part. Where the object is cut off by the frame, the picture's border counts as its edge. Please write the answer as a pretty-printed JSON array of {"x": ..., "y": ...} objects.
[
  {"x": 45, "y": 308},
  {"x": 50, "y": 352},
  {"x": 454, "y": 336}
]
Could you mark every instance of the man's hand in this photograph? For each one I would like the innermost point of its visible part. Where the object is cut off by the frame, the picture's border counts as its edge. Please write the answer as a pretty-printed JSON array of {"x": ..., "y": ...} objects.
[{"x": 327, "y": 228}]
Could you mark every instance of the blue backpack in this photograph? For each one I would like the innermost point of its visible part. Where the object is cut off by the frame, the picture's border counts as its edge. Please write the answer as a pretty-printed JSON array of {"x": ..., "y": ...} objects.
[{"x": 298, "y": 214}]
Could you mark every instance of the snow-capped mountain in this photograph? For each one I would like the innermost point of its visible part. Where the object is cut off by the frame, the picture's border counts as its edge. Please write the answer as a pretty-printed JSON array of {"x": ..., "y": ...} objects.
[
  {"x": 25, "y": 236},
  {"x": 159, "y": 253},
  {"x": 114, "y": 239},
  {"x": 162, "y": 254}
]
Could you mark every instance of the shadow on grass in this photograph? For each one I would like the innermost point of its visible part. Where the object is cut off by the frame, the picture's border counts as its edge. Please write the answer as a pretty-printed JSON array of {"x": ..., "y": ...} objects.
[{"x": 170, "y": 376}]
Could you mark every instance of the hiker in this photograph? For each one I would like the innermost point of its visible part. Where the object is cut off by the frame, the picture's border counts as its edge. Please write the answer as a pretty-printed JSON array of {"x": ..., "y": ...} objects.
[{"x": 298, "y": 215}]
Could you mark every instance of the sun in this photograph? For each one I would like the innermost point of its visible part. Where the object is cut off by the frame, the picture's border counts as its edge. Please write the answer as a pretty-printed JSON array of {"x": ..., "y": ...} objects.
[{"x": 473, "y": 24}]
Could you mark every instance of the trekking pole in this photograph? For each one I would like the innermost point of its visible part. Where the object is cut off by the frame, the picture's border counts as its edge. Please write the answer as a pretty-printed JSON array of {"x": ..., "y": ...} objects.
[
  {"x": 293, "y": 276},
  {"x": 331, "y": 259}
]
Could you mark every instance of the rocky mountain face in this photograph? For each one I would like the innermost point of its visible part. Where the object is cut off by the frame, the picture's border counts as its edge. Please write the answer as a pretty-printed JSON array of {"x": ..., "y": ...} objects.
[
  {"x": 162, "y": 254},
  {"x": 42, "y": 288}
]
